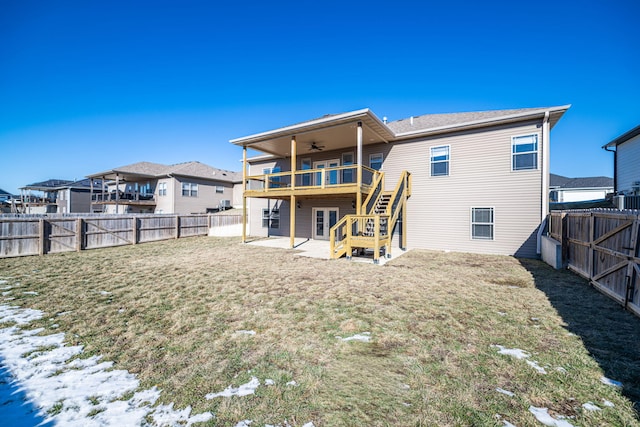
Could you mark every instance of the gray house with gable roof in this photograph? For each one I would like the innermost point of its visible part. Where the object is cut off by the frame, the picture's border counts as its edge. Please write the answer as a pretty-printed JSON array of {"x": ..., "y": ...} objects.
[
  {"x": 182, "y": 188},
  {"x": 472, "y": 182}
]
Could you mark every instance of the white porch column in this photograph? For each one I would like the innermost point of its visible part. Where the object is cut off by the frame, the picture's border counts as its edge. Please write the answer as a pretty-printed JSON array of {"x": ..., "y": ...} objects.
[
  {"x": 292, "y": 200},
  {"x": 244, "y": 198},
  {"x": 359, "y": 172}
]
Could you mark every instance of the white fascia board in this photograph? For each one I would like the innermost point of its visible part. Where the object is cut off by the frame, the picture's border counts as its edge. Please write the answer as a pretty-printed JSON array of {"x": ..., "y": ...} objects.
[{"x": 301, "y": 127}]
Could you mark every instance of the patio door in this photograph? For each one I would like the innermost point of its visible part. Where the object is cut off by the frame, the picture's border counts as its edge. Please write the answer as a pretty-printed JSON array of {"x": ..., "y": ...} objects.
[
  {"x": 323, "y": 220},
  {"x": 330, "y": 177}
]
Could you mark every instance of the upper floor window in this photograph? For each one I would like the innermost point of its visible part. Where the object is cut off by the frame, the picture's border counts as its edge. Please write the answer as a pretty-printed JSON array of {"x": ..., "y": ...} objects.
[
  {"x": 524, "y": 152},
  {"x": 162, "y": 189},
  {"x": 348, "y": 176},
  {"x": 375, "y": 161},
  {"x": 189, "y": 189},
  {"x": 440, "y": 160},
  {"x": 219, "y": 189}
]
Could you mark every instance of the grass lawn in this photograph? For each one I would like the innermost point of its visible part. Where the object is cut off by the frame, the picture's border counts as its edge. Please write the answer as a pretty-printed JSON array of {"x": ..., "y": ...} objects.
[{"x": 171, "y": 313}]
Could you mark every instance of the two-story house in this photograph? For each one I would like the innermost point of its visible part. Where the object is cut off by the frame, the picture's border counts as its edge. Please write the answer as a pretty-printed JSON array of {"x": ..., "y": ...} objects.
[
  {"x": 473, "y": 182},
  {"x": 183, "y": 188},
  {"x": 57, "y": 196}
]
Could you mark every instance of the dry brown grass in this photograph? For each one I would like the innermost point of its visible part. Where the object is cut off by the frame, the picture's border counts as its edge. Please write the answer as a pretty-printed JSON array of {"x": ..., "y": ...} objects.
[{"x": 170, "y": 312}]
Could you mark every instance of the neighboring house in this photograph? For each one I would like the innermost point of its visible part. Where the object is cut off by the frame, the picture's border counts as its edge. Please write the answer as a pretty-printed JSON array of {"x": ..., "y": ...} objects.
[
  {"x": 183, "y": 188},
  {"x": 626, "y": 162},
  {"x": 565, "y": 189},
  {"x": 56, "y": 196},
  {"x": 473, "y": 182},
  {"x": 6, "y": 201}
]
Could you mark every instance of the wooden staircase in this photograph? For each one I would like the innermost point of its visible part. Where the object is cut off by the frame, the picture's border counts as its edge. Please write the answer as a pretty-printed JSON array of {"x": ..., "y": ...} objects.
[{"x": 374, "y": 228}]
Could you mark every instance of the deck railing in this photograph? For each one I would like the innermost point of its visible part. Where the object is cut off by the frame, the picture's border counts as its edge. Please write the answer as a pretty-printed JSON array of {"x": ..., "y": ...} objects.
[{"x": 321, "y": 178}]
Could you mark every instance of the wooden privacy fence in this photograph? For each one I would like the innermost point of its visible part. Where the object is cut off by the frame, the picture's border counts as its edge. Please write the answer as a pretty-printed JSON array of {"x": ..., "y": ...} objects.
[
  {"x": 33, "y": 235},
  {"x": 602, "y": 246}
]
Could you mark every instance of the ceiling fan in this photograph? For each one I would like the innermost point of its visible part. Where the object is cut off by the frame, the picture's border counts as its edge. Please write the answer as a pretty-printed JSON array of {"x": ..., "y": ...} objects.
[{"x": 315, "y": 147}]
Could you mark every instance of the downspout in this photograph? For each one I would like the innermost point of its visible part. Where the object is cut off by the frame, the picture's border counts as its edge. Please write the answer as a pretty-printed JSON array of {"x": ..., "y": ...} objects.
[
  {"x": 615, "y": 168},
  {"x": 546, "y": 147}
]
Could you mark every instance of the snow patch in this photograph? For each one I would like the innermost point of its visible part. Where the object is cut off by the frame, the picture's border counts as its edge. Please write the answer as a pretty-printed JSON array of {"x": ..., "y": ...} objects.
[
  {"x": 502, "y": 313},
  {"x": 21, "y": 316},
  {"x": 269, "y": 381},
  {"x": 542, "y": 415},
  {"x": 520, "y": 354},
  {"x": 507, "y": 424},
  {"x": 242, "y": 390},
  {"x": 30, "y": 293},
  {"x": 78, "y": 388},
  {"x": 105, "y": 293},
  {"x": 244, "y": 332},
  {"x": 608, "y": 403},
  {"x": 612, "y": 383},
  {"x": 507, "y": 392},
  {"x": 535, "y": 366},
  {"x": 166, "y": 415},
  {"x": 292, "y": 383},
  {"x": 363, "y": 337},
  {"x": 591, "y": 407}
]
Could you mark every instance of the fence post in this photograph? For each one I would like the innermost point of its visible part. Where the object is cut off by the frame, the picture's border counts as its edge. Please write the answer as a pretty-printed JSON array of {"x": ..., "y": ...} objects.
[
  {"x": 591, "y": 239},
  {"x": 41, "y": 237},
  {"x": 564, "y": 237},
  {"x": 177, "y": 227},
  {"x": 79, "y": 234},
  {"x": 134, "y": 226}
]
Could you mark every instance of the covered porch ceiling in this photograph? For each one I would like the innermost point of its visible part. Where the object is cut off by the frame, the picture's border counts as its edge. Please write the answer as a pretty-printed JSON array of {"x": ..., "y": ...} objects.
[{"x": 328, "y": 133}]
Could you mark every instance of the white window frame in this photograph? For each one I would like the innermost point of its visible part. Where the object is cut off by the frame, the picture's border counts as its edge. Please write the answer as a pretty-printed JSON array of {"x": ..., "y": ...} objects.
[
  {"x": 162, "y": 189},
  {"x": 191, "y": 189},
  {"x": 447, "y": 160},
  {"x": 536, "y": 152},
  {"x": 492, "y": 223},
  {"x": 269, "y": 216},
  {"x": 219, "y": 189},
  {"x": 347, "y": 175},
  {"x": 371, "y": 156}
]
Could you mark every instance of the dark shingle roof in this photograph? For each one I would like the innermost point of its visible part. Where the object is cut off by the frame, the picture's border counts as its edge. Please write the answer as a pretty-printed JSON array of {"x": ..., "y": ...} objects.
[
  {"x": 48, "y": 184},
  {"x": 191, "y": 169},
  {"x": 430, "y": 121},
  {"x": 559, "y": 181}
]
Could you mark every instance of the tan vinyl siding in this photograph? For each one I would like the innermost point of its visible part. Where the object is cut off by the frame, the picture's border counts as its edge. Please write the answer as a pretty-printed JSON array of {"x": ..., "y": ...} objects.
[
  {"x": 628, "y": 164},
  {"x": 439, "y": 210},
  {"x": 207, "y": 197},
  {"x": 164, "y": 204}
]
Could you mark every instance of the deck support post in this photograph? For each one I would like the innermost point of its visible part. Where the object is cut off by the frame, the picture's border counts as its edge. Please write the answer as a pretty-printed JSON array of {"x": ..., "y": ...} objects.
[
  {"x": 244, "y": 191},
  {"x": 292, "y": 201},
  {"x": 117, "y": 191},
  {"x": 359, "y": 170}
]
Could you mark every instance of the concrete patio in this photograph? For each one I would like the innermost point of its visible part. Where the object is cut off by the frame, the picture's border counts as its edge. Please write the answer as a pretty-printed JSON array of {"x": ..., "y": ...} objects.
[{"x": 317, "y": 248}]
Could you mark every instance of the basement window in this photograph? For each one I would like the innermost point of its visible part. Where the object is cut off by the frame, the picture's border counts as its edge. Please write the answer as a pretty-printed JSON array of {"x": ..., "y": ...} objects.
[
  {"x": 271, "y": 219},
  {"x": 482, "y": 223}
]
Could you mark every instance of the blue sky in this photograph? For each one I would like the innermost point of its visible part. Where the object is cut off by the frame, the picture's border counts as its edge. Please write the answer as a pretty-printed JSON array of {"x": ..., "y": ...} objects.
[{"x": 88, "y": 86}]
